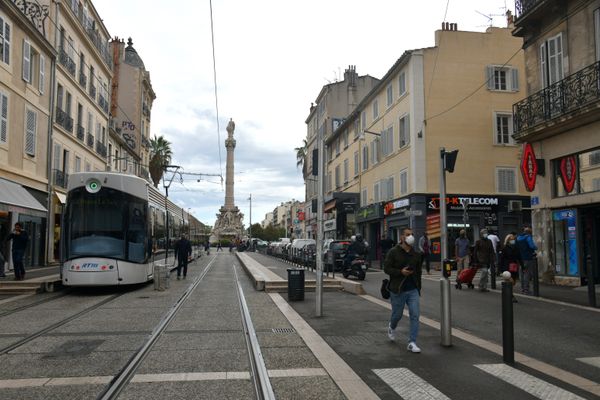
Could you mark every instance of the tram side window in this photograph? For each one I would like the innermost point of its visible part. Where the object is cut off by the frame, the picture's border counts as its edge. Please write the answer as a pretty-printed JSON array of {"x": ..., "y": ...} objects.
[
  {"x": 159, "y": 229},
  {"x": 136, "y": 233}
]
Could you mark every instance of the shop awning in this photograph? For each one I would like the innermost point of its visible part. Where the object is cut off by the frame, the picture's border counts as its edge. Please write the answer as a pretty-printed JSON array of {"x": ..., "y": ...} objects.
[
  {"x": 61, "y": 197},
  {"x": 16, "y": 195}
]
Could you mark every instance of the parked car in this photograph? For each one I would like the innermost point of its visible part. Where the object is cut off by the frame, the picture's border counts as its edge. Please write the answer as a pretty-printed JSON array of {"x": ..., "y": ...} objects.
[
  {"x": 297, "y": 248},
  {"x": 334, "y": 256}
]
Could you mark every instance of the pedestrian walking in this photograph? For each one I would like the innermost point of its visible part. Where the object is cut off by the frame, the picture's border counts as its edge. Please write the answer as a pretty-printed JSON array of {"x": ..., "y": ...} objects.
[
  {"x": 219, "y": 248},
  {"x": 495, "y": 242},
  {"x": 403, "y": 265},
  {"x": 510, "y": 259},
  {"x": 183, "y": 251},
  {"x": 483, "y": 255},
  {"x": 19, "y": 239},
  {"x": 461, "y": 251},
  {"x": 527, "y": 249},
  {"x": 2, "y": 262},
  {"x": 425, "y": 248},
  {"x": 207, "y": 247}
]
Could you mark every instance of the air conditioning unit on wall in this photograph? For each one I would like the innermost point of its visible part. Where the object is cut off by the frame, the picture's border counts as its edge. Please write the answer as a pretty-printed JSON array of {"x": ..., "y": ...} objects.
[{"x": 515, "y": 205}]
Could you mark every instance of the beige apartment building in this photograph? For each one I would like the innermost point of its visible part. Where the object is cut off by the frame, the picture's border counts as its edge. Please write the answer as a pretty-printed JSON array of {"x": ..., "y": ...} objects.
[
  {"x": 26, "y": 61},
  {"x": 131, "y": 105},
  {"x": 458, "y": 95},
  {"x": 559, "y": 125},
  {"x": 333, "y": 104}
]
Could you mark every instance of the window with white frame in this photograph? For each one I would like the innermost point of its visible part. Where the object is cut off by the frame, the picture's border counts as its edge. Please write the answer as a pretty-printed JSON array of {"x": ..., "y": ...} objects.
[
  {"x": 356, "y": 163},
  {"x": 346, "y": 170},
  {"x": 402, "y": 83},
  {"x": 389, "y": 188},
  {"x": 30, "y": 131},
  {"x": 390, "y": 95},
  {"x": 27, "y": 64},
  {"x": 387, "y": 141},
  {"x": 502, "y": 78},
  {"x": 376, "y": 193},
  {"x": 365, "y": 158},
  {"x": 375, "y": 150},
  {"x": 551, "y": 60},
  {"x": 375, "y": 109},
  {"x": 404, "y": 131},
  {"x": 3, "y": 117},
  {"x": 5, "y": 33},
  {"x": 338, "y": 182},
  {"x": 403, "y": 182},
  {"x": 363, "y": 197},
  {"x": 506, "y": 180},
  {"x": 503, "y": 128},
  {"x": 42, "y": 77}
]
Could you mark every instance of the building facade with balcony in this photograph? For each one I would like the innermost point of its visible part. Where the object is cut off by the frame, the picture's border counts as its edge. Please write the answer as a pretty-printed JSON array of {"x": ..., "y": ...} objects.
[
  {"x": 457, "y": 94},
  {"x": 81, "y": 99},
  {"x": 26, "y": 60},
  {"x": 332, "y": 106},
  {"x": 131, "y": 105},
  {"x": 559, "y": 126}
]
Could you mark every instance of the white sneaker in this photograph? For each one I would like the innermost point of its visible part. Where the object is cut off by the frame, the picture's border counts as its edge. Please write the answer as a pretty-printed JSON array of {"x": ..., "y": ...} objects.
[
  {"x": 391, "y": 333},
  {"x": 412, "y": 347}
]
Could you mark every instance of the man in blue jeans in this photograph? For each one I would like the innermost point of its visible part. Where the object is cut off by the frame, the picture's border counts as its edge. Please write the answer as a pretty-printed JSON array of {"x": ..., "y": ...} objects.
[
  {"x": 19, "y": 243},
  {"x": 403, "y": 265}
]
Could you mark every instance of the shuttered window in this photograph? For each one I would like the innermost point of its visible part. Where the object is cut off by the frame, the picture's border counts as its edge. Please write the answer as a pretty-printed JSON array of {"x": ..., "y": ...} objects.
[
  {"x": 502, "y": 78},
  {"x": 363, "y": 197},
  {"x": 30, "y": 131},
  {"x": 404, "y": 129},
  {"x": 387, "y": 141},
  {"x": 365, "y": 158},
  {"x": 403, "y": 182},
  {"x": 56, "y": 156},
  {"x": 42, "y": 81},
  {"x": 346, "y": 170},
  {"x": 26, "y": 61},
  {"x": 356, "y": 163},
  {"x": 506, "y": 180},
  {"x": 4, "y": 41},
  {"x": 376, "y": 193},
  {"x": 3, "y": 117},
  {"x": 551, "y": 60},
  {"x": 389, "y": 188}
]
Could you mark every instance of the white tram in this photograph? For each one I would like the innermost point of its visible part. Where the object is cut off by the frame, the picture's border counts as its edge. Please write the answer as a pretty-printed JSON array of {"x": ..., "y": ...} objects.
[{"x": 114, "y": 230}]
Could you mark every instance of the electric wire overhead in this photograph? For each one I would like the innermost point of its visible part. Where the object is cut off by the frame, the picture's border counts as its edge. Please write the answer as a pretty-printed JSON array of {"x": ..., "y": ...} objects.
[{"x": 212, "y": 35}]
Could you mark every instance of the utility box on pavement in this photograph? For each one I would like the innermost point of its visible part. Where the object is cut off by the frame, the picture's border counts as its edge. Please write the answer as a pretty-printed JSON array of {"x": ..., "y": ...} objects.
[
  {"x": 161, "y": 277},
  {"x": 295, "y": 284}
]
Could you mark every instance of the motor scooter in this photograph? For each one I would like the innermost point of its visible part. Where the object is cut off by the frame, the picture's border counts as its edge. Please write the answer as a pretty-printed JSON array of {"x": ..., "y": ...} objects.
[{"x": 358, "y": 267}]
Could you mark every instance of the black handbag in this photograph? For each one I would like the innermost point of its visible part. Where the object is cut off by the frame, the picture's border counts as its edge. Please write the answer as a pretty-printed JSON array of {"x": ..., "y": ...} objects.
[{"x": 385, "y": 289}]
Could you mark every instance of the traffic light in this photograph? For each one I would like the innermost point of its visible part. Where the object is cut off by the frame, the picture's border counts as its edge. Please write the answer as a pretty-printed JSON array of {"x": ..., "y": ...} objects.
[{"x": 450, "y": 160}]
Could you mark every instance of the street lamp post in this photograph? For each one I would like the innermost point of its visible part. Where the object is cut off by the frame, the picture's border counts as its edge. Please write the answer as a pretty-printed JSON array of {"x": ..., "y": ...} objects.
[
  {"x": 250, "y": 227},
  {"x": 166, "y": 186}
]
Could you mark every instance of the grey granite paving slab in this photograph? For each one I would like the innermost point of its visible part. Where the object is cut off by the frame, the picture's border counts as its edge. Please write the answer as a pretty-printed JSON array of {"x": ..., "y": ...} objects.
[
  {"x": 201, "y": 340},
  {"x": 77, "y": 392},
  {"x": 306, "y": 388},
  {"x": 199, "y": 390},
  {"x": 32, "y": 320},
  {"x": 183, "y": 360},
  {"x": 271, "y": 339},
  {"x": 49, "y": 344},
  {"x": 137, "y": 319},
  {"x": 206, "y": 320},
  {"x": 289, "y": 358}
]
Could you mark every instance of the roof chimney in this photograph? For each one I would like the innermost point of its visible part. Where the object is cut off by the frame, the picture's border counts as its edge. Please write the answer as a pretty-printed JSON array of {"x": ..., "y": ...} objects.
[{"x": 449, "y": 26}]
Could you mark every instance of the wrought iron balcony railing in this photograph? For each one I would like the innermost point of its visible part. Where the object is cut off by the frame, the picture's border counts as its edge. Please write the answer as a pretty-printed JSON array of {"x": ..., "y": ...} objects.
[
  {"x": 66, "y": 62},
  {"x": 82, "y": 80},
  {"x": 36, "y": 13},
  {"x": 103, "y": 103},
  {"x": 101, "y": 148},
  {"x": 570, "y": 94},
  {"x": 59, "y": 178},
  {"x": 522, "y": 7},
  {"x": 64, "y": 120},
  {"x": 92, "y": 91},
  {"x": 90, "y": 140},
  {"x": 89, "y": 26},
  {"x": 80, "y": 132}
]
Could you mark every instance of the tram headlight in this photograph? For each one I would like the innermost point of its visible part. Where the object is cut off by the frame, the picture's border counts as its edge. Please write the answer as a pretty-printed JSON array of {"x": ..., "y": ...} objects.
[{"x": 93, "y": 185}]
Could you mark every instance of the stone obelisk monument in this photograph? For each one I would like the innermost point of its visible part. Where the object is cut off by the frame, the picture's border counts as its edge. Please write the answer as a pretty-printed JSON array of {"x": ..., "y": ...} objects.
[{"x": 229, "y": 219}]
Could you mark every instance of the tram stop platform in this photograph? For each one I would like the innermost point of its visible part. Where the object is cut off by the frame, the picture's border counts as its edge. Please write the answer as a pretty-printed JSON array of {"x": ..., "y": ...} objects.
[{"x": 43, "y": 279}]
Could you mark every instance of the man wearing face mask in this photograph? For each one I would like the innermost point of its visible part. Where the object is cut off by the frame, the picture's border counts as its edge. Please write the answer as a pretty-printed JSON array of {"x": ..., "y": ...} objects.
[
  {"x": 484, "y": 256},
  {"x": 403, "y": 265}
]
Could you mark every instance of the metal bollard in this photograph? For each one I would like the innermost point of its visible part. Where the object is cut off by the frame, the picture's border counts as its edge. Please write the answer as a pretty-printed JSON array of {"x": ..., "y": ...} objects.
[
  {"x": 508, "y": 339},
  {"x": 445, "y": 321}
]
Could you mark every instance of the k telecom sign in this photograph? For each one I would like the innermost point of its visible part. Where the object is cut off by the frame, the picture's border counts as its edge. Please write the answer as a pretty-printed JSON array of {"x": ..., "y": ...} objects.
[
  {"x": 457, "y": 203},
  {"x": 393, "y": 207}
]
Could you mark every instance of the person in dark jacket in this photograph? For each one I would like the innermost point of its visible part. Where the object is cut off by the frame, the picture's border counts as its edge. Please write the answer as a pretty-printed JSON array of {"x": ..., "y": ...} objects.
[
  {"x": 527, "y": 249},
  {"x": 509, "y": 254},
  {"x": 183, "y": 250},
  {"x": 19, "y": 243},
  {"x": 403, "y": 265},
  {"x": 484, "y": 256}
]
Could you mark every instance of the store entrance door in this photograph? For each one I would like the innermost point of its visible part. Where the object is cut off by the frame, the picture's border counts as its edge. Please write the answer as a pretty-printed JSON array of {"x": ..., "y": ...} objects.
[{"x": 591, "y": 247}]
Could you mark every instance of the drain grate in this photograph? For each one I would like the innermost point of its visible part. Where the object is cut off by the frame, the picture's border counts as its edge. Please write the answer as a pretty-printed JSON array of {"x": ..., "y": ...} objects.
[{"x": 283, "y": 330}]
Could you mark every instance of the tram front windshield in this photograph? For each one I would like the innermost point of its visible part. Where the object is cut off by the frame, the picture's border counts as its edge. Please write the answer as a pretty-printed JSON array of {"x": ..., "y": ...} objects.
[{"x": 109, "y": 224}]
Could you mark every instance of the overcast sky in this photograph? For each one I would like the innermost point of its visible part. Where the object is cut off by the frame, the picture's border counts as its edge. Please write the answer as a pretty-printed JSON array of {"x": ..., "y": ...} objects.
[{"x": 272, "y": 59}]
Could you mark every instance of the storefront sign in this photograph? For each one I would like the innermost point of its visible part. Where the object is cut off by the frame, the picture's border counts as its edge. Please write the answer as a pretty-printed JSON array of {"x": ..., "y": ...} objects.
[
  {"x": 481, "y": 203},
  {"x": 370, "y": 212},
  {"x": 529, "y": 167},
  {"x": 395, "y": 206},
  {"x": 569, "y": 228},
  {"x": 568, "y": 172},
  {"x": 329, "y": 225}
]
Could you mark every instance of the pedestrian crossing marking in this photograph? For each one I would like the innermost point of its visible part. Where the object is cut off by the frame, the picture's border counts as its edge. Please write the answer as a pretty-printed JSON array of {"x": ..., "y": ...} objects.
[
  {"x": 528, "y": 383},
  {"x": 595, "y": 361},
  {"x": 408, "y": 385}
]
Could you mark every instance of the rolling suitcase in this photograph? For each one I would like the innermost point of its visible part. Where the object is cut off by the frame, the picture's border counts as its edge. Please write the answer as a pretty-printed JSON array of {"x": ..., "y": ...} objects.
[{"x": 466, "y": 276}]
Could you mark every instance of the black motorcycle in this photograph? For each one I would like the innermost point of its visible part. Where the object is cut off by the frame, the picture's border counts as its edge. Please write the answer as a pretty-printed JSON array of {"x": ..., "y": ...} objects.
[{"x": 358, "y": 267}]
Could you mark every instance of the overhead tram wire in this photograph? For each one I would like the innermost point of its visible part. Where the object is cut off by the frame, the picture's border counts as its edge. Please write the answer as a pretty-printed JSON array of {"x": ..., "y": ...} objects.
[
  {"x": 212, "y": 35},
  {"x": 437, "y": 52}
]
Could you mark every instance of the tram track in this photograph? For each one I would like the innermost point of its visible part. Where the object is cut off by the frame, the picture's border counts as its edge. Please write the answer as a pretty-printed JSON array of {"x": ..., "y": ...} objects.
[
  {"x": 31, "y": 305},
  {"x": 58, "y": 324}
]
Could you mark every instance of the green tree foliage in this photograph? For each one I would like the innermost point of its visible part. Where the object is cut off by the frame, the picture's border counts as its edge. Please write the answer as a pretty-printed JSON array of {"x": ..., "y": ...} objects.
[{"x": 160, "y": 156}]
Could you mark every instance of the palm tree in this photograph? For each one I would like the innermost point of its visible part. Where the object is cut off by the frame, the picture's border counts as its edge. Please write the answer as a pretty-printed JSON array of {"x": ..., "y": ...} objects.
[
  {"x": 301, "y": 156},
  {"x": 160, "y": 156}
]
